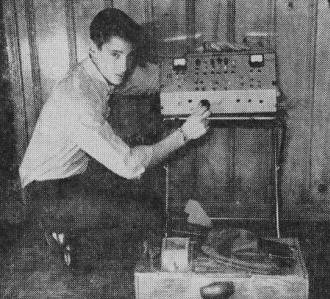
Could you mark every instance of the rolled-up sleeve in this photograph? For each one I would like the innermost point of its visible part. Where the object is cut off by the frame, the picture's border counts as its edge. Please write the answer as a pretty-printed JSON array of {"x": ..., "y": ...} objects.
[{"x": 94, "y": 135}]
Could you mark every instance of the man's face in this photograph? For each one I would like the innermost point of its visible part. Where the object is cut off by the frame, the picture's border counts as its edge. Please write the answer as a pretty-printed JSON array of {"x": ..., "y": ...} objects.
[{"x": 114, "y": 59}]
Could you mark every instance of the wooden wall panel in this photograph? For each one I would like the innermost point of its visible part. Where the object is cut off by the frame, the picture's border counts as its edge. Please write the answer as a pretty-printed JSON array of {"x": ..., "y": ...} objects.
[
  {"x": 108, "y": 3},
  {"x": 320, "y": 157},
  {"x": 15, "y": 70},
  {"x": 295, "y": 71},
  {"x": 42, "y": 50},
  {"x": 70, "y": 18},
  {"x": 213, "y": 173},
  {"x": 255, "y": 16},
  {"x": 171, "y": 27},
  {"x": 34, "y": 57},
  {"x": 85, "y": 11},
  {"x": 182, "y": 178},
  {"x": 211, "y": 20},
  {"x": 135, "y": 9},
  {"x": 253, "y": 182},
  {"x": 52, "y": 43},
  {"x": 31, "y": 109}
]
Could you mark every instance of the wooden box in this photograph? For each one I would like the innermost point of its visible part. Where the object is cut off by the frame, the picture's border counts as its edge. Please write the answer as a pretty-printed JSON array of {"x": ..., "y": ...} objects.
[{"x": 154, "y": 283}]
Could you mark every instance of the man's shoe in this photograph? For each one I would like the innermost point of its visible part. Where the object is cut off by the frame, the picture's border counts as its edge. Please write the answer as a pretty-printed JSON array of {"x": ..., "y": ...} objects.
[{"x": 57, "y": 244}]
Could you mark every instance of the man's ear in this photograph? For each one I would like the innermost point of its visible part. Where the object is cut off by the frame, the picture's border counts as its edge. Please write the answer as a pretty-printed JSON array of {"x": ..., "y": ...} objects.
[{"x": 93, "y": 49}]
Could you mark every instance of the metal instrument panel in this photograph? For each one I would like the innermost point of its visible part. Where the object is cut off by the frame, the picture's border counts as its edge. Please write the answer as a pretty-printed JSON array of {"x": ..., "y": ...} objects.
[{"x": 231, "y": 82}]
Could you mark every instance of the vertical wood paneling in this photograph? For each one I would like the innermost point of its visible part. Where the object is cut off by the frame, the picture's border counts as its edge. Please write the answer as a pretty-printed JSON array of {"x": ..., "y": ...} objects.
[
  {"x": 320, "y": 146},
  {"x": 213, "y": 26},
  {"x": 16, "y": 77},
  {"x": 253, "y": 186},
  {"x": 31, "y": 110},
  {"x": 183, "y": 182},
  {"x": 232, "y": 133},
  {"x": 190, "y": 14},
  {"x": 34, "y": 57},
  {"x": 108, "y": 3},
  {"x": 254, "y": 16},
  {"x": 36, "y": 78},
  {"x": 149, "y": 25},
  {"x": 120, "y": 4},
  {"x": 52, "y": 41},
  {"x": 70, "y": 14},
  {"x": 214, "y": 181},
  {"x": 85, "y": 11},
  {"x": 310, "y": 70},
  {"x": 298, "y": 89},
  {"x": 137, "y": 9},
  {"x": 271, "y": 25},
  {"x": 295, "y": 69},
  {"x": 172, "y": 27},
  {"x": 231, "y": 21},
  {"x": 231, "y": 139},
  {"x": 31, "y": 92}
]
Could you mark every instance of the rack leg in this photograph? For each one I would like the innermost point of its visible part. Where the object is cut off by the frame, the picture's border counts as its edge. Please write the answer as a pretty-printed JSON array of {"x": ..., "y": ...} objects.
[
  {"x": 167, "y": 195},
  {"x": 276, "y": 172}
]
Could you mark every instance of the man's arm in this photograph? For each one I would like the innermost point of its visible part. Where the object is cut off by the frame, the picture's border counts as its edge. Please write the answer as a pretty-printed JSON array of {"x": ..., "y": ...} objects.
[
  {"x": 194, "y": 127},
  {"x": 95, "y": 136}
]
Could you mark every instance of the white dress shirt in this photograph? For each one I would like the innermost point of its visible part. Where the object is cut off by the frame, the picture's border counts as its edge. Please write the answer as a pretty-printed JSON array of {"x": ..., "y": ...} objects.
[{"x": 72, "y": 126}]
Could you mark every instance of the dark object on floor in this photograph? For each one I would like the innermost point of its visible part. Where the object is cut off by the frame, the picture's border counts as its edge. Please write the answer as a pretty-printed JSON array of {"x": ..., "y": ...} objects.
[{"x": 218, "y": 290}]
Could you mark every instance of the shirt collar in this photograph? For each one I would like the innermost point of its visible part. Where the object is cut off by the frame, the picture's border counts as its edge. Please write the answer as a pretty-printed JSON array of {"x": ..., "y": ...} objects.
[{"x": 96, "y": 75}]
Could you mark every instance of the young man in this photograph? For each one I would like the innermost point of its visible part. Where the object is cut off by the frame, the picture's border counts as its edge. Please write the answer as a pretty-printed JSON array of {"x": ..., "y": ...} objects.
[{"x": 73, "y": 127}]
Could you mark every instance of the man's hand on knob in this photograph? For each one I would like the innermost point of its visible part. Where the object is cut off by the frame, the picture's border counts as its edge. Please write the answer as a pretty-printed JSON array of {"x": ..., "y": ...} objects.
[{"x": 196, "y": 124}]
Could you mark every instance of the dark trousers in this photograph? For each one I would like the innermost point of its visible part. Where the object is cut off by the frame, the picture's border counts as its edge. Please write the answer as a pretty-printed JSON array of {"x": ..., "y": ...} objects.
[
  {"x": 53, "y": 204},
  {"x": 68, "y": 206}
]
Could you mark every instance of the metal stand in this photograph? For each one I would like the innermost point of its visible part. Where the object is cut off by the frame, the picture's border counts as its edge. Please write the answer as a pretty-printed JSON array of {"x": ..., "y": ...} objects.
[
  {"x": 275, "y": 135},
  {"x": 167, "y": 198},
  {"x": 276, "y": 182}
]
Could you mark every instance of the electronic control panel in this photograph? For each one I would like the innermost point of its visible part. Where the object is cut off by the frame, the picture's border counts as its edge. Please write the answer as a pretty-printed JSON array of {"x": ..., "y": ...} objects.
[{"x": 233, "y": 83}]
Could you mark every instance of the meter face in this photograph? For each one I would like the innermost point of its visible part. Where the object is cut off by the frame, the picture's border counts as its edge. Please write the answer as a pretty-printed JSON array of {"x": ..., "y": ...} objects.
[
  {"x": 258, "y": 58},
  {"x": 179, "y": 62}
]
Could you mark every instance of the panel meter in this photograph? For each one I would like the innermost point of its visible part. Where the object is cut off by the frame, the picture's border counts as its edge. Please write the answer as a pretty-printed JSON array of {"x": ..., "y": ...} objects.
[
  {"x": 256, "y": 60},
  {"x": 179, "y": 62}
]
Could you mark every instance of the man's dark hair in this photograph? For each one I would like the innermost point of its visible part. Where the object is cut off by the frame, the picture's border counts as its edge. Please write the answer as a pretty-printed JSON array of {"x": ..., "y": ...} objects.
[{"x": 114, "y": 22}]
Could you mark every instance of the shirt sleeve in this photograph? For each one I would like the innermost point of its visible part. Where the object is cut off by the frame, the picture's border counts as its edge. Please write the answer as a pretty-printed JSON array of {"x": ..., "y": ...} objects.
[{"x": 94, "y": 135}]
